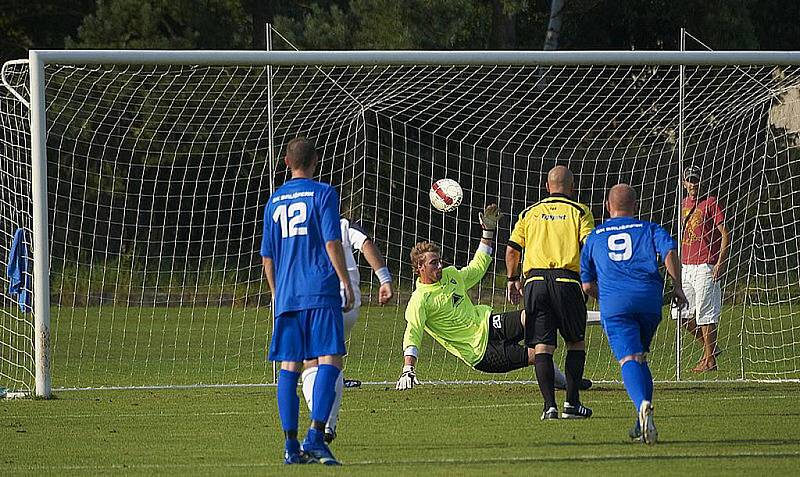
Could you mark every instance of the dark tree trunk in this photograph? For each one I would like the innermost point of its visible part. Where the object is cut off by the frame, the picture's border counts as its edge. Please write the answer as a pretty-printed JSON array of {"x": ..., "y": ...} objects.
[
  {"x": 554, "y": 26},
  {"x": 262, "y": 12},
  {"x": 504, "y": 32}
]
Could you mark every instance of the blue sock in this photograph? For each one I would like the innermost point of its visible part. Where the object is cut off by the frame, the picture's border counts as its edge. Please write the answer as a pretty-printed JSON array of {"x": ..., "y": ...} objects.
[
  {"x": 324, "y": 392},
  {"x": 633, "y": 377},
  {"x": 288, "y": 402},
  {"x": 314, "y": 439},
  {"x": 648, "y": 377}
]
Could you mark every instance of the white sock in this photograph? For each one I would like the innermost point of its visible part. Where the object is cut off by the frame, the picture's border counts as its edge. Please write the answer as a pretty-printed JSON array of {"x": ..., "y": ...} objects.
[
  {"x": 337, "y": 404},
  {"x": 308, "y": 377},
  {"x": 559, "y": 379}
]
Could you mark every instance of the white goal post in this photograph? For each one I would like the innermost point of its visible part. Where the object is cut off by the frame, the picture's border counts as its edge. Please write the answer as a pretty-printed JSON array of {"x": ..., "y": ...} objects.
[{"x": 147, "y": 171}]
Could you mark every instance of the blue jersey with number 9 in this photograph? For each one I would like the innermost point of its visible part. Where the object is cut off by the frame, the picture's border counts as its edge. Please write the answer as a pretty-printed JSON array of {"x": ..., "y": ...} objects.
[
  {"x": 622, "y": 255},
  {"x": 299, "y": 218}
]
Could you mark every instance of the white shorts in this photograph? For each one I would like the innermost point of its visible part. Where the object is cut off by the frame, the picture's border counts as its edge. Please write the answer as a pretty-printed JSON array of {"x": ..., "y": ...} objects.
[
  {"x": 351, "y": 316},
  {"x": 702, "y": 292}
]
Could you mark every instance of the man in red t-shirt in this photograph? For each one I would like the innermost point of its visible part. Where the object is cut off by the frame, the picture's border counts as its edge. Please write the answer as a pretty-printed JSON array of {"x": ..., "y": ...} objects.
[{"x": 703, "y": 250}]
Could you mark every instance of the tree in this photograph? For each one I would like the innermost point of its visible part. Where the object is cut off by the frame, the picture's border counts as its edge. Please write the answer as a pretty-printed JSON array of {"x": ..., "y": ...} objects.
[
  {"x": 164, "y": 24},
  {"x": 554, "y": 26},
  {"x": 387, "y": 24},
  {"x": 39, "y": 24}
]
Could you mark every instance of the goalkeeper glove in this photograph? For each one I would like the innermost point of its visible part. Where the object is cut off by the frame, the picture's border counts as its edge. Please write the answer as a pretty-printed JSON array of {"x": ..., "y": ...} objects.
[
  {"x": 488, "y": 219},
  {"x": 408, "y": 379}
]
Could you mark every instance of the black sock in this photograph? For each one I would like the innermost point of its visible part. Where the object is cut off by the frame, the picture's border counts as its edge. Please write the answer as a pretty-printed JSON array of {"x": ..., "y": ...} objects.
[
  {"x": 546, "y": 378},
  {"x": 573, "y": 369}
]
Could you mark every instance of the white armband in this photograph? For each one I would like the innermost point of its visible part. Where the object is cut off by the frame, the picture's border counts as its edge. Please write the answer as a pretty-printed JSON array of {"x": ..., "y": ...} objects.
[
  {"x": 384, "y": 275},
  {"x": 411, "y": 351},
  {"x": 487, "y": 249}
]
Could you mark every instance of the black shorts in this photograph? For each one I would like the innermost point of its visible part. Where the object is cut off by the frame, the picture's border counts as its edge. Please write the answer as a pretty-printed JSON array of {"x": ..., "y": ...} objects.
[
  {"x": 554, "y": 300},
  {"x": 504, "y": 353}
]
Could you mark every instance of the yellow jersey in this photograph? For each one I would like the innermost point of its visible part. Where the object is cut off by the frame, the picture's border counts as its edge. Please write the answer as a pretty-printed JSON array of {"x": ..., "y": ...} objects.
[{"x": 551, "y": 231}]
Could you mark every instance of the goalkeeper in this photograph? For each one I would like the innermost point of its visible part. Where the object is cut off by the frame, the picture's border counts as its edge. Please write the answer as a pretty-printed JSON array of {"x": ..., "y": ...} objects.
[{"x": 440, "y": 305}]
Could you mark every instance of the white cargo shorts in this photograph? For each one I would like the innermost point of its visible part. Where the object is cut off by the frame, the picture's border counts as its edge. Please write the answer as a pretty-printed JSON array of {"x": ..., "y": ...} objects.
[{"x": 703, "y": 294}]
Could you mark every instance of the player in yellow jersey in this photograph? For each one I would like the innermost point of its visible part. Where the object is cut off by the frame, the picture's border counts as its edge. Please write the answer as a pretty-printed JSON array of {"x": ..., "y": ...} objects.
[
  {"x": 441, "y": 307},
  {"x": 550, "y": 234}
]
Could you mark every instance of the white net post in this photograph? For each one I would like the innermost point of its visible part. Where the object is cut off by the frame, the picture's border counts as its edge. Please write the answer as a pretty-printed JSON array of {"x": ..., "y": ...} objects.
[{"x": 41, "y": 236}]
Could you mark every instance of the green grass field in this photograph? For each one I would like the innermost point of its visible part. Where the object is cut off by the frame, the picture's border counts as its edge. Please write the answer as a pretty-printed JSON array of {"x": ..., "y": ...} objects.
[
  {"x": 709, "y": 429},
  {"x": 138, "y": 346},
  {"x": 705, "y": 427}
]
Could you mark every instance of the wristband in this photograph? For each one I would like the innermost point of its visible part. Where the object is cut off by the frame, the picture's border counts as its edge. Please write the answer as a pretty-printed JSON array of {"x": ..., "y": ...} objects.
[
  {"x": 513, "y": 278},
  {"x": 384, "y": 275},
  {"x": 487, "y": 234}
]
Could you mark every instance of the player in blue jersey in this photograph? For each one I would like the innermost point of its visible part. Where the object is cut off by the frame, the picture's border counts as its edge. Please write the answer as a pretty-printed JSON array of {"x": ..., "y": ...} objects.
[
  {"x": 619, "y": 267},
  {"x": 301, "y": 250}
]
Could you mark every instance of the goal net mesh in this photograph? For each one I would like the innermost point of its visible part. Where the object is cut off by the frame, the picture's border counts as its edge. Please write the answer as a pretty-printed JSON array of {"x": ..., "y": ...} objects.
[{"x": 157, "y": 178}]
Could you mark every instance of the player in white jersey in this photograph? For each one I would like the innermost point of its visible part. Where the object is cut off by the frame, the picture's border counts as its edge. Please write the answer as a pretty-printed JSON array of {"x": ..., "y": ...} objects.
[{"x": 354, "y": 237}]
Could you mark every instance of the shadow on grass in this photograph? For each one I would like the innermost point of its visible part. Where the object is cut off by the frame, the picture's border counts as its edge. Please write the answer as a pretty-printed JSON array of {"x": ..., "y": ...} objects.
[
  {"x": 584, "y": 458},
  {"x": 621, "y": 444}
]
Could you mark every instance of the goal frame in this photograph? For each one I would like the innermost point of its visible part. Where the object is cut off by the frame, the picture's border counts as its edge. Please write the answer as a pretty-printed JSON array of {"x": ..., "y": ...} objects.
[{"x": 39, "y": 58}]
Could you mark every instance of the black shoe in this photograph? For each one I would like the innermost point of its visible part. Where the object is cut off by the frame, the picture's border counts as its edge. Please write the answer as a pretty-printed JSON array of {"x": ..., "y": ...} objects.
[
  {"x": 550, "y": 413},
  {"x": 329, "y": 436},
  {"x": 575, "y": 412},
  {"x": 352, "y": 383}
]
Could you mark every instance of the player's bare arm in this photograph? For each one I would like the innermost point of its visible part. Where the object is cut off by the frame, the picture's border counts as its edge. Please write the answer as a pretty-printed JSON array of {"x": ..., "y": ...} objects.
[
  {"x": 674, "y": 270},
  {"x": 269, "y": 271},
  {"x": 719, "y": 267},
  {"x": 590, "y": 289},
  {"x": 336, "y": 255},
  {"x": 514, "y": 286},
  {"x": 378, "y": 264}
]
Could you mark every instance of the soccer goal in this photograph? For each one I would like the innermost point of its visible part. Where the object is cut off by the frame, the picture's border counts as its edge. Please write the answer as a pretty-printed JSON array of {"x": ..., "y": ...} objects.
[{"x": 138, "y": 180}]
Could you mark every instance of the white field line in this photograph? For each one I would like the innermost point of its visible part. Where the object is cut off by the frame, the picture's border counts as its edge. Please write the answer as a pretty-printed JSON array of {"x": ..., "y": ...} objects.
[
  {"x": 459, "y": 461},
  {"x": 392, "y": 383},
  {"x": 398, "y": 409}
]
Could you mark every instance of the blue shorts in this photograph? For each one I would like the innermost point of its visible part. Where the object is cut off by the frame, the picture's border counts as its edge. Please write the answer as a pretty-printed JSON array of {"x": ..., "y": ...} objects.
[
  {"x": 307, "y": 334},
  {"x": 630, "y": 334}
]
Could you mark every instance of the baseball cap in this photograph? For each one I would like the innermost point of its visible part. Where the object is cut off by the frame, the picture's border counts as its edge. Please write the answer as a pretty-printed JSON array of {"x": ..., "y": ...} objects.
[{"x": 692, "y": 174}]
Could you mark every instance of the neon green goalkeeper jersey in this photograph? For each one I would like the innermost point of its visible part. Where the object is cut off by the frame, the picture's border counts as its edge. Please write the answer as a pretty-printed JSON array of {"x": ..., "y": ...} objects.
[{"x": 444, "y": 310}]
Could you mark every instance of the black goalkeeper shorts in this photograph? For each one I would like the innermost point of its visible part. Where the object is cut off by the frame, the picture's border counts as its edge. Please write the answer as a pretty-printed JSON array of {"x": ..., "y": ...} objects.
[
  {"x": 554, "y": 300},
  {"x": 504, "y": 352}
]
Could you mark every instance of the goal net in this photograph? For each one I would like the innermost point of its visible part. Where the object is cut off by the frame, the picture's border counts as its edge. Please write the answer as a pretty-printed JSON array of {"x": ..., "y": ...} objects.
[{"x": 157, "y": 175}]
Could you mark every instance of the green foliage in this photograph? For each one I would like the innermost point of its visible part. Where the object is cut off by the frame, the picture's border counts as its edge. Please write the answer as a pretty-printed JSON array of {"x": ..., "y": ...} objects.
[
  {"x": 387, "y": 24},
  {"x": 164, "y": 24},
  {"x": 38, "y": 24}
]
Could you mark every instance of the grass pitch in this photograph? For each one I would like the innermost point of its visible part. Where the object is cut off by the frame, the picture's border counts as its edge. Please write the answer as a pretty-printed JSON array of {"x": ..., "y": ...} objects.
[{"x": 710, "y": 429}]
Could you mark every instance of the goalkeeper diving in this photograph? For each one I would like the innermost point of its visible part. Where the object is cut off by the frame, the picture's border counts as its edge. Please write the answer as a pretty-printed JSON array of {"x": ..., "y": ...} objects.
[{"x": 486, "y": 341}]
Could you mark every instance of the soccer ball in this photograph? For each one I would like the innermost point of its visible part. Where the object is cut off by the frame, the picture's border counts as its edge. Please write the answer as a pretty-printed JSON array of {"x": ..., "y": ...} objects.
[{"x": 446, "y": 195}]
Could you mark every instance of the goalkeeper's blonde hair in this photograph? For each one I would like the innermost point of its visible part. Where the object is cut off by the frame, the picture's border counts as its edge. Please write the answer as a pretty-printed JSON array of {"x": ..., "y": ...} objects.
[{"x": 419, "y": 251}]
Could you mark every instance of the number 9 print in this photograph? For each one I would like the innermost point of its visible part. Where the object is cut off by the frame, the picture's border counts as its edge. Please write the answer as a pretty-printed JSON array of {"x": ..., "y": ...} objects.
[{"x": 620, "y": 243}]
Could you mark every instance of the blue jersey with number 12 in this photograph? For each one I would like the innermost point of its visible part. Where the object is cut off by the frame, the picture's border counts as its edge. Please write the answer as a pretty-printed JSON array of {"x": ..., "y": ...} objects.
[
  {"x": 622, "y": 256},
  {"x": 299, "y": 218}
]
